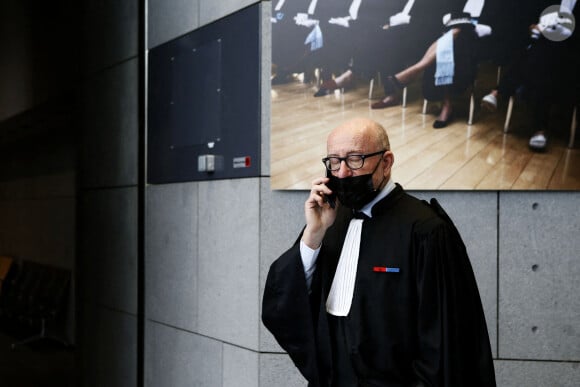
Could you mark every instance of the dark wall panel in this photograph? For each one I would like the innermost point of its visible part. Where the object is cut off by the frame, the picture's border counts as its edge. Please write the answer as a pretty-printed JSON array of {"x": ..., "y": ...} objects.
[{"x": 204, "y": 102}]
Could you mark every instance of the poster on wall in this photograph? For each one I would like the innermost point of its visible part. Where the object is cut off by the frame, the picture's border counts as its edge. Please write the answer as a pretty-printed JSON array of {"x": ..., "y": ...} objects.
[{"x": 474, "y": 95}]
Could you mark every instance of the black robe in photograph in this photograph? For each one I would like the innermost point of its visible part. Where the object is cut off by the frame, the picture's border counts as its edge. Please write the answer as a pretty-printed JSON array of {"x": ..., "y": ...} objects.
[{"x": 418, "y": 323}]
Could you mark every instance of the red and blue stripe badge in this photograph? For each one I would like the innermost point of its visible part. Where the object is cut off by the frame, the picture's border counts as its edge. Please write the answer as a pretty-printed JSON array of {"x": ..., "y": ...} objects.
[{"x": 384, "y": 269}]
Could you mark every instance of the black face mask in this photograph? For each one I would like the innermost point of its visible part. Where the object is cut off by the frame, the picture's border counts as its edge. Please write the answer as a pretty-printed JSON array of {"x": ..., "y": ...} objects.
[{"x": 353, "y": 191}]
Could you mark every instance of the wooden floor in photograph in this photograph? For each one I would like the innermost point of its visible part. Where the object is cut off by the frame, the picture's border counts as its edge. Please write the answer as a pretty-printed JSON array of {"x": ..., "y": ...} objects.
[{"x": 459, "y": 157}]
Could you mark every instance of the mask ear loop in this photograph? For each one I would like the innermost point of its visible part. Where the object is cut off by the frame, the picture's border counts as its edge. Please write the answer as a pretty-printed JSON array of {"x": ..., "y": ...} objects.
[{"x": 384, "y": 177}]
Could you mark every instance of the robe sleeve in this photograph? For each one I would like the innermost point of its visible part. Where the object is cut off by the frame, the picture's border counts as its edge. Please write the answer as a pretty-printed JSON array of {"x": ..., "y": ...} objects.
[
  {"x": 453, "y": 342},
  {"x": 286, "y": 312}
]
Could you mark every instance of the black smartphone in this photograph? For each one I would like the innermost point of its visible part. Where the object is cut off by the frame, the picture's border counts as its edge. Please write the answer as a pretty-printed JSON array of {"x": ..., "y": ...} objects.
[{"x": 331, "y": 199}]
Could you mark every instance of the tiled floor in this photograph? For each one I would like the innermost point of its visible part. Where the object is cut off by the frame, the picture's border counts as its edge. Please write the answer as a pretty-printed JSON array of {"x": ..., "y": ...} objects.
[{"x": 40, "y": 364}]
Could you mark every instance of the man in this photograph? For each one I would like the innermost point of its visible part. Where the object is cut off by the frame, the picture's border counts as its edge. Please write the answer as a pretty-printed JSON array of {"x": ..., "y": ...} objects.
[{"x": 389, "y": 299}]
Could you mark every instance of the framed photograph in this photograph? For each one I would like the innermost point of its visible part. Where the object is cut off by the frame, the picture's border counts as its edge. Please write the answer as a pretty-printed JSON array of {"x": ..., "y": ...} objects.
[{"x": 474, "y": 95}]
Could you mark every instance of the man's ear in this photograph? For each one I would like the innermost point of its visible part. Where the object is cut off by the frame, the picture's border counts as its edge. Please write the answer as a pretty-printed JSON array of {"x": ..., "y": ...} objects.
[{"x": 389, "y": 159}]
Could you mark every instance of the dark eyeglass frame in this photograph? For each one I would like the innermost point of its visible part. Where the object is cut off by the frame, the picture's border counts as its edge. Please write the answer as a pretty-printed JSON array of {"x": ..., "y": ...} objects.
[{"x": 326, "y": 160}]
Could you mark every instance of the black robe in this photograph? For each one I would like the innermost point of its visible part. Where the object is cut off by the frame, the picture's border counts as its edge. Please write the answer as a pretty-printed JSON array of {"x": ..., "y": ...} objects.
[{"x": 422, "y": 325}]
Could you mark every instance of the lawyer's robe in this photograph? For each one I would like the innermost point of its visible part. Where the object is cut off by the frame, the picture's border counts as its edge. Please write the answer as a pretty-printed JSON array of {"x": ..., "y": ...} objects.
[{"x": 420, "y": 325}]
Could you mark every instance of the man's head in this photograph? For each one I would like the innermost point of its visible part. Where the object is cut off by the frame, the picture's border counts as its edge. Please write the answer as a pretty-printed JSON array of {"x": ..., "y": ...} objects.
[
  {"x": 361, "y": 136},
  {"x": 359, "y": 162}
]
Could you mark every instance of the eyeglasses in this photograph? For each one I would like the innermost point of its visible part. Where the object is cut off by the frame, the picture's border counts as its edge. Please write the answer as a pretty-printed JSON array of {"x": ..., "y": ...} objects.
[{"x": 332, "y": 163}]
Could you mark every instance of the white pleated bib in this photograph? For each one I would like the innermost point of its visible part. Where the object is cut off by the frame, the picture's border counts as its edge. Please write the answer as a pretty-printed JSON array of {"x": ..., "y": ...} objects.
[{"x": 341, "y": 291}]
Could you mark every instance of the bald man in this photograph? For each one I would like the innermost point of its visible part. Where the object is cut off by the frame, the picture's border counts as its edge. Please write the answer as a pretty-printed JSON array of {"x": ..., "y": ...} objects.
[{"x": 378, "y": 289}]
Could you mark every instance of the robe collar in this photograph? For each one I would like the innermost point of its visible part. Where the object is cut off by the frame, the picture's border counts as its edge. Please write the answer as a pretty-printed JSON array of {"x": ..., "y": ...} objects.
[
  {"x": 388, "y": 202},
  {"x": 367, "y": 208}
]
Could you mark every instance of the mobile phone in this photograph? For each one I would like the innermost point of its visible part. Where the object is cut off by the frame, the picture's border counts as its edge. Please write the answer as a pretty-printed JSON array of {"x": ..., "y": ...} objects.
[{"x": 331, "y": 199}]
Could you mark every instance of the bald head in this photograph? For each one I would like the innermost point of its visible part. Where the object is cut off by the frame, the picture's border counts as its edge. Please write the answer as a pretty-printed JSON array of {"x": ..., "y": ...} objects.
[
  {"x": 362, "y": 136},
  {"x": 358, "y": 135}
]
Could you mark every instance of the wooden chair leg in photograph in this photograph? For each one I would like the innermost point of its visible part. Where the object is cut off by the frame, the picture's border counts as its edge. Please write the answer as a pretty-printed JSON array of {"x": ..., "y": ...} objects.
[
  {"x": 375, "y": 82},
  {"x": 378, "y": 84},
  {"x": 471, "y": 108},
  {"x": 317, "y": 76},
  {"x": 573, "y": 126},
  {"x": 508, "y": 115}
]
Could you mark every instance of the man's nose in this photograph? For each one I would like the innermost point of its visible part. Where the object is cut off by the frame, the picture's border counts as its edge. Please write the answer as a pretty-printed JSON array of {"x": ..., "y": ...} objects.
[{"x": 344, "y": 170}]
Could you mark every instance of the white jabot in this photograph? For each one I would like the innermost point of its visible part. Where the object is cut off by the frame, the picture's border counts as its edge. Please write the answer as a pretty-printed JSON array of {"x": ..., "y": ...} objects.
[{"x": 342, "y": 289}]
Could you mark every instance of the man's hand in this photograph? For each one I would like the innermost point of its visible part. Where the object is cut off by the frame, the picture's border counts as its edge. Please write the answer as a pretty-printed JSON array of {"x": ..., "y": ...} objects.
[{"x": 319, "y": 215}]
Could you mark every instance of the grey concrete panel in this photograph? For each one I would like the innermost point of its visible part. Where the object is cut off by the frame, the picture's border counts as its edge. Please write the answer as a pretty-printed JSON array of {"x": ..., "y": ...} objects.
[
  {"x": 108, "y": 348},
  {"x": 240, "y": 367},
  {"x": 278, "y": 370},
  {"x": 110, "y": 128},
  {"x": 169, "y": 19},
  {"x": 178, "y": 358},
  {"x": 171, "y": 255},
  {"x": 539, "y": 307},
  {"x": 110, "y": 32},
  {"x": 108, "y": 247},
  {"x": 510, "y": 373},
  {"x": 211, "y": 10},
  {"x": 475, "y": 216},
  {"x": 281, "y": 221},
  {"x": 266, "y": 63},
  {"x": 229, "y": 261}
]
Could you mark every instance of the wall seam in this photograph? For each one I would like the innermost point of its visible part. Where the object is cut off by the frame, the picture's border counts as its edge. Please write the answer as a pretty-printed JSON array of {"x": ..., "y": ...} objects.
[
  {"x": 141, "y": 186},
  {"x": 497, "y": 273}
]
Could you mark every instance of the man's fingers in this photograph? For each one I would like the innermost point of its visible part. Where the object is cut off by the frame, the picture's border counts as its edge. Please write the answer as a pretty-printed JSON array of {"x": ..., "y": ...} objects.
[{"x": 319, "y": 191}]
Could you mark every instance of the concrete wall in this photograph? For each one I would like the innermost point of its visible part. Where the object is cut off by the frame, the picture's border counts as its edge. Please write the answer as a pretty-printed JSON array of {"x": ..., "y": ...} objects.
[
  {"x": 108, "y": 207},
  {"x": 206, "y": 263},
  {"x": 202, "y": 257}
]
